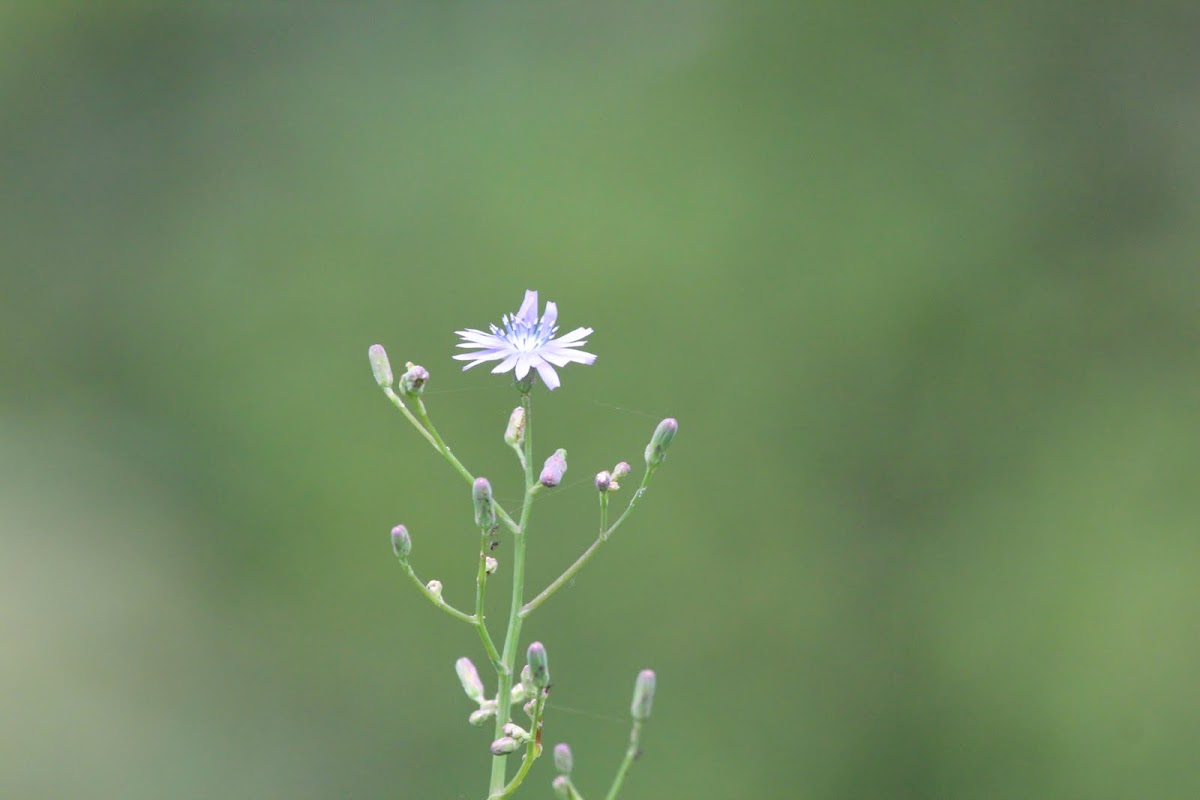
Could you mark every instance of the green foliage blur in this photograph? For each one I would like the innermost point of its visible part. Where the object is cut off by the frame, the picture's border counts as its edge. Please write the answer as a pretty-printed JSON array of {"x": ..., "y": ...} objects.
[{"x": 919, "y": 281}]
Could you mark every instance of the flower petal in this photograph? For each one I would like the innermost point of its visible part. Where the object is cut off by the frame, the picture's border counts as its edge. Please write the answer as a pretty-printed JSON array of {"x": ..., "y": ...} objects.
[
  {"x": 528, "y": 312},
  {"x": 548, "y": 319},
  {"x": 573, "y": 337},
  {"x": 548, "y": 375},
  {"x": 504, "y": 366},
  {"x": 568, "y": 354}
]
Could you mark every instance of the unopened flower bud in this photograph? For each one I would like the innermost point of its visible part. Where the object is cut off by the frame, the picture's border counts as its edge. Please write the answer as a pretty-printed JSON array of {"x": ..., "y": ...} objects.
[
  {"x": 643, "y": 695},
  {"x": 603, "y": 481},
  {"x": 435, "y": 588},
  {"x": 485, "y": 510},
  {"x": 514, "y": 434},
  {"x": 563, "y": 760},
  {"x": 489, "y": 565},
  {"x": 516, "y": 731},
  {"x": 504, "y": 745},
  {"x": 529, "y": 707},
  {"x": 469, "y": 677},
  {"x": 656, "y": 451},
  {"x": 539, "y": 664},
  {"x": 562, "y": 787},
  {"x": 412, "y": 382},
  {"x": 554, "y": 469},
  {"x": 618, "y": 474},
  {"x": 380, "y": 366},
  {"x": 401, "y": 542},
  {"x": 487, "y": 710}
]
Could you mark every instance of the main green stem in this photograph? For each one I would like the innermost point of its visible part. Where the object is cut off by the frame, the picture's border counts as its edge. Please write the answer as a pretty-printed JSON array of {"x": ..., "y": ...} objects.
[{"x": 513, "y": 636}]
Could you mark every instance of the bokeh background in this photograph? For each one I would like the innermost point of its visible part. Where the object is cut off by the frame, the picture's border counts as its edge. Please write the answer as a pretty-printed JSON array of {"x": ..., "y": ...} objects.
[{"x": 920, "y": 283}]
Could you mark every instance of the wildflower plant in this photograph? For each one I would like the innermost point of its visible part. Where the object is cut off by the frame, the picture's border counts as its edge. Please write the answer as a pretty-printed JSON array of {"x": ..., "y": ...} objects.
[{"x": 525, "y": 345}]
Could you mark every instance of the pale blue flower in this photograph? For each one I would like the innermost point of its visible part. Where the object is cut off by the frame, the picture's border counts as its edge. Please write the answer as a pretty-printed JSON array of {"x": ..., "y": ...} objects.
[{"x": 524, "y": 343}]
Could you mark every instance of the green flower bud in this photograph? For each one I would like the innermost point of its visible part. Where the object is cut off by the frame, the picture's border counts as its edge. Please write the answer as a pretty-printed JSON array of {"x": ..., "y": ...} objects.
[
  {"x": 469, "y": 677},
  {"x": 504, "y": 745},
  {"x": 554, "y": 469},
  {"x": 485, "y": 510},
  {"x": 603, "y": 481},
  {"x": 563, "y": 760},
  {"x": 487, "y": 710},
  {"x": 380, "y": 366},
  {"x": 401, "y": 542},
  {"x": 656, "y": 451},
  {"x": 539, "y": 665},
  {"x": 516, "y": 731},
  {"x": 523, "y": 690},
  {"x": 413, "y": 381},
  {"x": 514, "y": 434},
  {"x": 643, "y": 695},
  {"x": 562, "y": 788}
]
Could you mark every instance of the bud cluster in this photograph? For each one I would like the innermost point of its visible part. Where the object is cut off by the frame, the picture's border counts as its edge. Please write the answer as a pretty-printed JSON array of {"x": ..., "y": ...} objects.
[{"x": 607, "y": 481}]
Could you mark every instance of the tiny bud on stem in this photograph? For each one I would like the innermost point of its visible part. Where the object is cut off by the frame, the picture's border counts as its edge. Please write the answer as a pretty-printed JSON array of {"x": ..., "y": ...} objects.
[
  {"x": 643, "y": 695},
  {"x": 563, "y": 760},
  {"x": 539, "y": 665},
  {"x": 401, "y": 542},
  {"x": 656, "y": 451},
  {"x": 380, "y": 366},
  {"x": 554, "y": 469},
  {"x": 412, "y": 382},
  {"x": 504, "y": 745},
  {"x": 514, "y": 434},
  {"x": 485, "y": 509}
]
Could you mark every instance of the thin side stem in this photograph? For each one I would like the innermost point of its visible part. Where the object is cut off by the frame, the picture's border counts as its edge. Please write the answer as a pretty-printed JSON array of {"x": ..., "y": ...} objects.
[
  {"x": 571, "y": 571},
  {"x": 425, "y": 427},
  {"x": 513, "y": 635},
  {"x": 480, "y": 623},
  {"x": 631, "y": 753},
  {"x": 437, "y": 601}
]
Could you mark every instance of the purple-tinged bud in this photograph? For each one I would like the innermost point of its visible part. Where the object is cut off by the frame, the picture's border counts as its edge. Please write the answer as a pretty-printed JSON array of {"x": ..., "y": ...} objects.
[
  {"x": 469, "y": 677},
  {"x": 618, "y": 474},
  {"x": 643, "y": 695},
  {"x": 489, "y": 565},
  {"x": 656, "y": 451},
  {"x": 539, "y": 664},
  {"x": 380, "y": 366},
  {"x": 504, "y": 745},
  {"x": 554, "y": 469},
  {"x": 401, "y": 542},
  {"x": 485, "y": 510},
  {"x": 603, "y": 481},
  {"x": 514, "y": 434},
  {"x": 413, "y": 381},
  {"x": 563, "y": 760},
  {"x": 562, "y": 788}
]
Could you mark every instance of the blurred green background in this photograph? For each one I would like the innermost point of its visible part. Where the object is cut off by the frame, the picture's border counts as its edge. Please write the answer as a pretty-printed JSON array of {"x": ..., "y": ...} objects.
[{"x": 919, "y": 281}]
